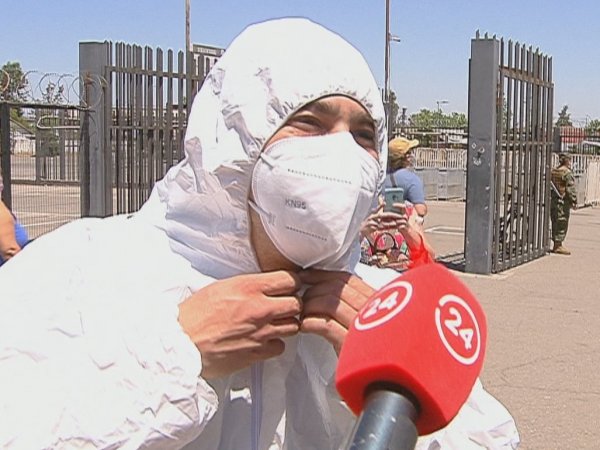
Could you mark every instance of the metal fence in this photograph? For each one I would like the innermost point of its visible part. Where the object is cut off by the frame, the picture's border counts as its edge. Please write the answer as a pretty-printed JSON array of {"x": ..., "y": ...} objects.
[
  {"x": 577, "y": 140},
  {"x": 149, "y": 117},
  {"x": 147, "y": 95},
  {"x": 509, "y": 155},
  {"x": 41, "y": 154}
]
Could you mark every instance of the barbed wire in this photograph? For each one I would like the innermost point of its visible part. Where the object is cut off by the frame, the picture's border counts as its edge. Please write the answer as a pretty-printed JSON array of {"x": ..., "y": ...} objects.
[{"x": 53, "y": 88}]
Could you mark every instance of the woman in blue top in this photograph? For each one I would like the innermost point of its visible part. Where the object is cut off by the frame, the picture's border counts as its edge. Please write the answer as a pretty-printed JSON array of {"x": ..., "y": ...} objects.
[
  {"x": 13, "y": 237},
  {"x": 400, "y": 174}
]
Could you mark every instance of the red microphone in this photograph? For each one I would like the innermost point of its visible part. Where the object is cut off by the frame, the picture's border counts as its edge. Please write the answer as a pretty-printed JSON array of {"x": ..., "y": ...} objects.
[{"x": 411, "y": 358}]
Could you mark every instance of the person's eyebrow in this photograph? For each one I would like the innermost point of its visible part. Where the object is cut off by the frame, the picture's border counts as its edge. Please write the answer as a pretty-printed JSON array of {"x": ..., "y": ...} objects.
[{"x": 362, "y": 118}]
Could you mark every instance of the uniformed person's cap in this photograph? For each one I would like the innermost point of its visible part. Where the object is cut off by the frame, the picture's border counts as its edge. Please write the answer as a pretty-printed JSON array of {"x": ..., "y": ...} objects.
[{"x": 562, "y": 157}]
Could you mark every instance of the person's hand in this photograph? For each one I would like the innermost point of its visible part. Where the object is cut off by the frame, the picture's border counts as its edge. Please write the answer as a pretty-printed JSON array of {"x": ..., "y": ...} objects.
[
  {"x": 385, "y": 221},
  {"x": 241, "y": 320},
  {"x": 331, "y": 303}
]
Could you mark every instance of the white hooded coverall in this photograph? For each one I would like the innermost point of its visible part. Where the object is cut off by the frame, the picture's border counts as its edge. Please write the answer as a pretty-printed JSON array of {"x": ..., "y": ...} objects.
[{"x": 91, "y": 352}]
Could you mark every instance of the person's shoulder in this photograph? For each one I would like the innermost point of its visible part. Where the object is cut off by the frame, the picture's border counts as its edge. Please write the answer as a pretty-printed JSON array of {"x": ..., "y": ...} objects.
[{"x": 406, "y": 174}]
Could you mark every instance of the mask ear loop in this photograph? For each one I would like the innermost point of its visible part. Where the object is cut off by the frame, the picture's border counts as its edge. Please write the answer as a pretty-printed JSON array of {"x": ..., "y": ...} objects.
[{"x": 261, "y": 212}]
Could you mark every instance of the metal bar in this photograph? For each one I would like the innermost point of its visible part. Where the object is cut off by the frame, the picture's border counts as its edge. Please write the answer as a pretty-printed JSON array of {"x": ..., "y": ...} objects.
[
  {"x": 93, "y": 58},
  {"x": 169, "y": 115},
  {"x": 522, "y": 93},
  {"x": 131, "y": 132},
  {"x": 483, "y": 80},
  {"x": 498, "y": 241},
  {"x": 139, "y": 148},
  {"x": 52, "y": 106},
  {"x": 148, "y": 141},
  {"x": 160, "y": 124},
  {"x": 5, "y": 153},
  {"x": 514, "y": 151},
  {"x": 548, "y": 163},
  {"x": 538, "y": 144},
  {"x": 180, "y": 108},
  {"x": 118, "y": 135},
  {"x": 527, "y": 155}
]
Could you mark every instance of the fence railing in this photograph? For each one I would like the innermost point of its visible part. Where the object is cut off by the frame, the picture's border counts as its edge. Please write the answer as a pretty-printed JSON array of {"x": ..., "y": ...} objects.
[
  {"x": 443, "y": 172},
  {"x": 41, "y": 163}
]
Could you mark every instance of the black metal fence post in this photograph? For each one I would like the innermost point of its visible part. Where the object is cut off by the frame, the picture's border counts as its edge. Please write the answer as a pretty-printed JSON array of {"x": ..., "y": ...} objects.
[
  {"x": 5, "y": 153},
  {"x": 479, "y": 212},
  {"x": 94, "y": 57}
]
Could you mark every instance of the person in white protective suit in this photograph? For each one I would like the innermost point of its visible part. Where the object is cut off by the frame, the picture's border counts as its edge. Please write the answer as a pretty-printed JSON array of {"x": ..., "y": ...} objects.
[{"x": 211, "y": 318}]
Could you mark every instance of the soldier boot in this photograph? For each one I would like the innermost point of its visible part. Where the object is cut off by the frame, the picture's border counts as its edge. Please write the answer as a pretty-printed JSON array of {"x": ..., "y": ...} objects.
[{"x": 559, "y": 249}]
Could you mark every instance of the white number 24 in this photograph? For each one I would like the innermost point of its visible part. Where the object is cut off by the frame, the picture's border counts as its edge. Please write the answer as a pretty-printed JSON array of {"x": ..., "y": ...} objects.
[
  {"x": 377, "y": 305},
  {"x": 454, "y": 324}
]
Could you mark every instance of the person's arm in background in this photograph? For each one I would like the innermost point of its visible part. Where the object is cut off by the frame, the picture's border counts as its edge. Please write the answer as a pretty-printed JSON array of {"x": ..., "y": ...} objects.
[
  {"x": 415, "y": 193},
  {"x": 8, "y": 242},
  {"x": 421, "y": 209},
  {"x": 571, "y": 190}
]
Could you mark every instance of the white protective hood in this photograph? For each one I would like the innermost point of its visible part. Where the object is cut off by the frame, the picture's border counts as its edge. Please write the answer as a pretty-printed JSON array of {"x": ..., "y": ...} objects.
[{"x": 268, "y": 72}]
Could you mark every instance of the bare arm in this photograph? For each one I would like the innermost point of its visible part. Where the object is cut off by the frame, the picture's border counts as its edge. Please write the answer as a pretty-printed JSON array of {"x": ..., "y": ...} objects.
[
  {"x": 421, "y": 209},
  {"x": 8, "y": 241}
]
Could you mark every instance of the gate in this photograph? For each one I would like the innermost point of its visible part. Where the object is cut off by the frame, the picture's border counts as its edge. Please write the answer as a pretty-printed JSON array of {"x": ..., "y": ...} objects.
[
  {"x": 42, "y": 142},
  {"x": 509, "y": 155},
  {"x": 139, "y": 127}
]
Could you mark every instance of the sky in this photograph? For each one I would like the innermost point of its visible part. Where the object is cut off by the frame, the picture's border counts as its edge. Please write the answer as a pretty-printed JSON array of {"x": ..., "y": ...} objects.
[{"x": 428, "y": 65}]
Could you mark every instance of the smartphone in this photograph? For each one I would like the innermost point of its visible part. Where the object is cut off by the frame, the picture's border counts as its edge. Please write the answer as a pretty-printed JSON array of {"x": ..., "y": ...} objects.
[{"x": 392, "y": 195}]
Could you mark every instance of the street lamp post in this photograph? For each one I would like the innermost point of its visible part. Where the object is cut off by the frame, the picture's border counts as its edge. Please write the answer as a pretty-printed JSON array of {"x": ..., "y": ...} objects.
[
  {"x": 441, "y": 102},
  {"x": 188, "y": 40},
  {"x": 439, "y": 120},
  {"x": 389, "y": 37}
]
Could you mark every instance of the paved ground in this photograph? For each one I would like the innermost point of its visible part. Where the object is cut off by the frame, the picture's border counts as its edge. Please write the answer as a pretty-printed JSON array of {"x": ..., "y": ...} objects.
[{"x": 543, "y": 354}]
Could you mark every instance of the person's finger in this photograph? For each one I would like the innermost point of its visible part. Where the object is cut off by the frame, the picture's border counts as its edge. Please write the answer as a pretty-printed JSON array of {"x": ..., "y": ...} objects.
[
  {"x": 327, "y": 328},
  {"x": 333, "y": 292},
  {"x": 329, "y": 305},
  {"x": 279, "y": 282},
  {"x": 278, "y": 329},
  {"x": 281, "y": 307},
  {"x": 316, "y": 276}
]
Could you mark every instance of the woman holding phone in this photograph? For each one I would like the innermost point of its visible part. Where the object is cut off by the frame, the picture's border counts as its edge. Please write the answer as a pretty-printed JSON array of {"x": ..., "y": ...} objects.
[{"x": 393, "y": 237}]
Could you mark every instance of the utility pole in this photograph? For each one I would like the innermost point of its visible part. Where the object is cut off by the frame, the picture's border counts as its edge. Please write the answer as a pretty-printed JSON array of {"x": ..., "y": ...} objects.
[
  {"x": 387, "y": 90},
  {"x": 188, "y": 40},
  {"x": 439, "y": 120},
  {"x": 188, "y": 61}
]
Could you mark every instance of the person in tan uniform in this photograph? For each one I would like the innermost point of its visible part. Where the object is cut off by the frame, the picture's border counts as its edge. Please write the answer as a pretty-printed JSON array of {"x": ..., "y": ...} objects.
[{"x": 563, "y": 199}]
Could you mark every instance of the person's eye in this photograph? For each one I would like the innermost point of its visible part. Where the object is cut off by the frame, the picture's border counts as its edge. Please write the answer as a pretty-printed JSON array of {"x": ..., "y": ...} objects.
[
  {"x": 306, "y": 122},
  {"x": 365, "y": 138}
]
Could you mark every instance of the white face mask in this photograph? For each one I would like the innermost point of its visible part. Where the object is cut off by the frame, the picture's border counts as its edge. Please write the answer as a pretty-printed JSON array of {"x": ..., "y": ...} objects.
[{"x": 312, "y": 195}]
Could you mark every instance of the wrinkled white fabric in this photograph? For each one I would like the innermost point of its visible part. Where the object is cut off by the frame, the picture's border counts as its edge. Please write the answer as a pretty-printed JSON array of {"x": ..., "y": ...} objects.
[{"x": 91, "y": 352}]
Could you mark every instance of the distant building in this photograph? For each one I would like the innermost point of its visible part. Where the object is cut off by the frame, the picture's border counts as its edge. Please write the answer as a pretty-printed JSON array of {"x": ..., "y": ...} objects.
[
  {"x": 207, "y": 56},
  {"x": 22, "y": 140}
]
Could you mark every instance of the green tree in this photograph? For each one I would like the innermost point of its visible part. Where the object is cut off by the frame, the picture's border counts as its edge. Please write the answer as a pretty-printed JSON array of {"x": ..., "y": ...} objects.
[
  {"x": 423, "y": 119},
  {"x": 564, "y": 118},
  {"x": 13, "y": 83},
  {"x": 593, "y": 126}
]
